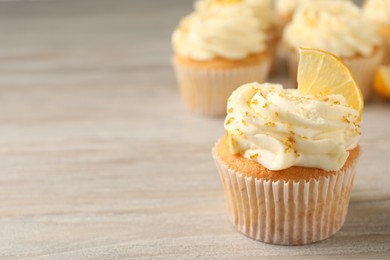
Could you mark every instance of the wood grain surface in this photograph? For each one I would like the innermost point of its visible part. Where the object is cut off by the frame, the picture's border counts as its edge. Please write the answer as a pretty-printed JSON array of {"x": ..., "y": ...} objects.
[{"x": 100, "y": 160}]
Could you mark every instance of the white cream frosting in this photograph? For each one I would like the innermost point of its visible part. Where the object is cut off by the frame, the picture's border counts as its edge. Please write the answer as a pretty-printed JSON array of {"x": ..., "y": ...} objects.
[
  {"x": 280, "y": 128},
  {"x": 289, "y": 6},
  {"x": 229, "y": 30},
  {"x": 262, "y": 9},
  {"x": 377, "y": 11},
  {"x": 264, "y": 12},
  {"x": 334, "y": 26}
]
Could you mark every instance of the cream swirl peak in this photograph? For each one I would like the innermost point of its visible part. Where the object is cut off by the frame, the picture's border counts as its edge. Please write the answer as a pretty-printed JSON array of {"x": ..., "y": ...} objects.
[
  {"x": 280, "y": 128},
  {"x": 289, "y": 6},
  {"x": 262, "y": 9},
  {"x": 230, "y": 31},
  {"x": 377, "y": 11},
  {"x": 334, "y": 26}
]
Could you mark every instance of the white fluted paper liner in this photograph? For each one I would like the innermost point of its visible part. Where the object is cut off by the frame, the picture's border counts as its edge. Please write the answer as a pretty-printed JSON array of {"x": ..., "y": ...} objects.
[
  {"x": 206, "y": 90},
  {"x": 286, "y": 213},
  {"x": 363, "y": 69}
]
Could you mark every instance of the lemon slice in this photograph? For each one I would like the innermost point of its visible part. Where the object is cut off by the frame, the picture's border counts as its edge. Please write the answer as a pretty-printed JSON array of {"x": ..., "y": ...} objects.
[
  {"x": 382, "y": 81},
  {"x": 322, "y": 73}
]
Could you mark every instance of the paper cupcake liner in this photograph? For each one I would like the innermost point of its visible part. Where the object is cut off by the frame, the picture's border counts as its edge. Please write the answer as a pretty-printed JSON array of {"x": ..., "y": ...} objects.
[
  {"x": 206, "y": 90},
  {"x": 363, "y": 69},
  {"x": 286, "y": 213}
]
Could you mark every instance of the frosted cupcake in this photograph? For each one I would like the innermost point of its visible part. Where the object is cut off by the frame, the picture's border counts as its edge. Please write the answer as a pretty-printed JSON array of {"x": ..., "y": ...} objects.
[
  {"x": 287, "y": 163},
  {"x": 217, "y": 48},
  {"x": 337, "y": 27},
  {"x": 378, "y": 11},
  {"x": 288, "y": 159}
]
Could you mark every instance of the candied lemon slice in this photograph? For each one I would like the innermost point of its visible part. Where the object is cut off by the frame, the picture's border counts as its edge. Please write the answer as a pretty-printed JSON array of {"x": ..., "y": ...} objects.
[
  {"x": 322, "y": 73},
  {"x": 382, "y": 81}
]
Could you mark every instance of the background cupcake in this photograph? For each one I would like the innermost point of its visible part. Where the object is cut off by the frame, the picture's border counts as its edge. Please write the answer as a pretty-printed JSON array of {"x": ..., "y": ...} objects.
[
  {"x": 337, "y": 27},
  {"x": 217, "y": 48},
  {"x": 378, "y": 11}
]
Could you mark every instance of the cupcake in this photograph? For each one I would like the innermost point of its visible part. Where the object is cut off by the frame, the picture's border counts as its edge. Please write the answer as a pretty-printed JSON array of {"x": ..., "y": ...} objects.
[
  {"x": 287, "y": 163},
  {"x": 217, "y": 48},
  {"x": 286, "y": 8},
  {"x": 288, "y": 159},
  {"x": 337, "y": 27},
  {"x": 378, "y": 11}
]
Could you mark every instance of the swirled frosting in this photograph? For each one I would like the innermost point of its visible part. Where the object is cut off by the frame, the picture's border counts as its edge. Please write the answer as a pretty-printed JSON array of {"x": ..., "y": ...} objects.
[
  {"x": 334, "y": 26},
  {"x": 280, "y": 128},
  {"x": 377, "y": 11},
  {"x": 264, "y": 12},
  {"x": 219, "y": 28},
  {"x": 262, "y": 9},
  {"x": 289, "y": 6}
]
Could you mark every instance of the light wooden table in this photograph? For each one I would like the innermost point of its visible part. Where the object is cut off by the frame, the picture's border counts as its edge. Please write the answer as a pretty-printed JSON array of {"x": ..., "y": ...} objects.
[{"x": 100, "y": 160}]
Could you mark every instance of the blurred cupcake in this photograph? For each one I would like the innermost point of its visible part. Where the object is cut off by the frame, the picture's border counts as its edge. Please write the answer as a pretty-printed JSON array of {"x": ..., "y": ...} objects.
[
  {"x": 287, "y": 163},
  {"x": 339, "y": 28},
  {"x": 286, "y": 8},
  {"x": 217, "y": 48},
  {"x": 378, "y": 11}
]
